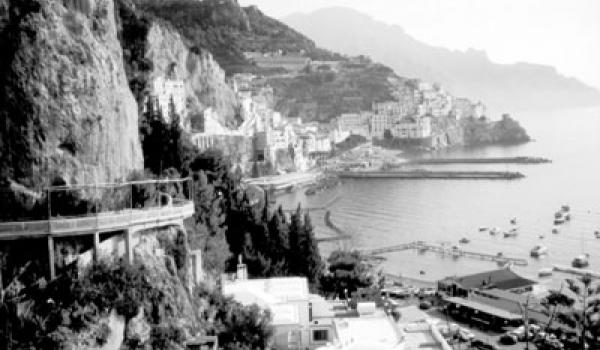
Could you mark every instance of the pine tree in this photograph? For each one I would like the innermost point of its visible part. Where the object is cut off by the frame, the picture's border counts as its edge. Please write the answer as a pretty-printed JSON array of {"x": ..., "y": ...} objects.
[{"x": 310, "y": 253}]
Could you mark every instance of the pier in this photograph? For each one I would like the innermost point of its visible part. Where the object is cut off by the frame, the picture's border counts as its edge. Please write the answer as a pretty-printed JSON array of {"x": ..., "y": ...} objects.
[
  {"x": 487, "y": 160},
  {"x": 436, "y": 248},
  {"x": 426, "y": 174}
]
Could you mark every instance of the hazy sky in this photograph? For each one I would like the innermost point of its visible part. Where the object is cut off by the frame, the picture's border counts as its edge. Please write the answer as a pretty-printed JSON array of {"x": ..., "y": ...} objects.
[{"x": 561, "y": 33}]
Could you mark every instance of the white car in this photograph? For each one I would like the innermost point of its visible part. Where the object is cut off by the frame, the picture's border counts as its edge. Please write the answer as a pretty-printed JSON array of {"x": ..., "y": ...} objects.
[{"x": 465, "y": 334}]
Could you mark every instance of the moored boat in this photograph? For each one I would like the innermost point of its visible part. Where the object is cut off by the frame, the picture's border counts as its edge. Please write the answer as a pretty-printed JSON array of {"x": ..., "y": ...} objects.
[
  {"x": 559, "y": 221},
  {"x": 513, "y": 221},
  {"x": 581, "y": 261},
  {"x": 565, "y": 208},
  {"x": 597, "y": 234},
  {"x": 494, "y": 231},
  {"x": 546, "y": 272},
  {"x": 464, "y": 240},
  {"x": 538, "y": 251},
  {"x": 482, "y": 228},
  {"x": 555, "y": 230}
]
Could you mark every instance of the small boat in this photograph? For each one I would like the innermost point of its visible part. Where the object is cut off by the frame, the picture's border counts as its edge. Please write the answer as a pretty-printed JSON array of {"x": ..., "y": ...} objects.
[
  {"x": 311, "y": 191},
  {"x": 542, "y": 236},
  {"x": 513, "y": 221},
  {"x": 597, "y": 234},
  {"x": 494, "y": 231},
  {"x": 567, "y": 217},
  {"x": 581, "y": 261},
  {"x": 547, "y": 272},
  {"x": 538, "y": 251},
  {"x": 558, "y": 215},
  {"x": 511, "y": 233},
  {"x": 483, "y": 228},
  {"x": 555, "y": 230},
  {"x": 464, "y": 240},
  {"x": 559, "y": 221},
  {"x": 565, "y": 208}
]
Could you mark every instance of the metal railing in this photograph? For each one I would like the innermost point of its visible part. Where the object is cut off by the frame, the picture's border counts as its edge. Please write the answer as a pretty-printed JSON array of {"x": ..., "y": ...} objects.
[{"x": 104, "y": 207}]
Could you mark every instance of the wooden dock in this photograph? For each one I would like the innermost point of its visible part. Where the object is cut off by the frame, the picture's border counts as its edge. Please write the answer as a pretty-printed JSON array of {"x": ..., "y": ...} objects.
[{"x": 436, "y": 248}]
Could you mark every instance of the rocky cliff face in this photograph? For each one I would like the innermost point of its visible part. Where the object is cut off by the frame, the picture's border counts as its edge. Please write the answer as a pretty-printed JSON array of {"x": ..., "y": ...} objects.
[
  {"x": 65, "y": 104},
  {"x": 204, "y": 79}
]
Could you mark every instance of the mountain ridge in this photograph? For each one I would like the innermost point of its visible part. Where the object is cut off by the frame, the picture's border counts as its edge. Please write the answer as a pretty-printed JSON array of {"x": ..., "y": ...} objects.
[{"x": 520, "y": 85}]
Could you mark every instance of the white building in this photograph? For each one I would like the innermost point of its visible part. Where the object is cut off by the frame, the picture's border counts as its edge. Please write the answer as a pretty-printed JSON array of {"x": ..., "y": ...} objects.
[
  {"x": 307, "y": 321},
  {"x": 412, "y": 128},
  {"x": 380, "y": 123},
  {"x": 166, "y": 90},
  {"x": 355, "y": 123}
]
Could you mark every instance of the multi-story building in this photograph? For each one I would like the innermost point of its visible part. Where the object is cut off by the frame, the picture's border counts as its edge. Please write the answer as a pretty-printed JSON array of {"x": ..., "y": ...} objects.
[
  {"x": 302, "y": 320},
  {"x": 380, "y": 123},
  {"x": 355, "y": 123},
  {"x": 462, "y": 108},
  {"x": 167, "y": 91},
  {"x": 412, "y": 128},
  {"x": 479, "y": 110}
]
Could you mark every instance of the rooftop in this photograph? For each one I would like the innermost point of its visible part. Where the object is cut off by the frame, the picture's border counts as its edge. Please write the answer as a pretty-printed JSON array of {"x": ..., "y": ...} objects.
[
  {"x": 500, "y": 279},
  {"x": 488, "y": 309}
]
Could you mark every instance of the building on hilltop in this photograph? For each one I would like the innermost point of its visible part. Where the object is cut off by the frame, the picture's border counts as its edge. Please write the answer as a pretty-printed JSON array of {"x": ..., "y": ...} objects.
[{"x": 170, "y": 91}]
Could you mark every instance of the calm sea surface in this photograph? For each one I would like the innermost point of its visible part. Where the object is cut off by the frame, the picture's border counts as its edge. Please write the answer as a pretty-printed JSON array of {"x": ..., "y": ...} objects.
[{"x": 379, "y": 213}]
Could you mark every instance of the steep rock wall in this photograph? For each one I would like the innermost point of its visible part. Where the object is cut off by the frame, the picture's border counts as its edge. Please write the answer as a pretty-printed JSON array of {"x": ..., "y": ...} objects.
[
  {"x": 204, "y": 79},
  {"x": 65, "y": 105}
]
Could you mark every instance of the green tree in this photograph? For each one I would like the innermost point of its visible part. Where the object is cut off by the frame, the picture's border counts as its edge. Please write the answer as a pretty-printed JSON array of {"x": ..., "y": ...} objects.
[{"x": 347, "y": 272}]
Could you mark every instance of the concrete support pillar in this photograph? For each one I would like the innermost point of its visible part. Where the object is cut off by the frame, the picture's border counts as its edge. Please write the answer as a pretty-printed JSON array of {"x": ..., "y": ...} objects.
[
  {"x": 51, "y": 257},
  {"x": 96, "y": 238},
  {"x": 129, "y": 246}
]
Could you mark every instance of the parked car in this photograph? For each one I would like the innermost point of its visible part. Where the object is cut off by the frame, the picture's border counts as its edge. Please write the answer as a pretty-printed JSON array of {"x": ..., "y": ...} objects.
[
  {"x": 465, "y": 334},
  {"x": 424, "y": 305},
  {"x": 549, "y": 344},
  {"x": 482, "y": 345},
  {"x": 508, "y": 339}
]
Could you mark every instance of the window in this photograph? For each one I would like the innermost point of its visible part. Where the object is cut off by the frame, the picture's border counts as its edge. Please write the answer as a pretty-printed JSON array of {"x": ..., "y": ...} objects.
[{"x": 320, "y": 335}]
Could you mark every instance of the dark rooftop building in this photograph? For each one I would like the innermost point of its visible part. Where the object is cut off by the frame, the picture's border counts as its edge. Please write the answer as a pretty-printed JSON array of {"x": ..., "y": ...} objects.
[{"x": 503, "y": 279}]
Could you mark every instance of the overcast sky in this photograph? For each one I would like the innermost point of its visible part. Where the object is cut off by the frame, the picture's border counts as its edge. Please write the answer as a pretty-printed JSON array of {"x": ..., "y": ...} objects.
[{"x": 561, "y": 33}]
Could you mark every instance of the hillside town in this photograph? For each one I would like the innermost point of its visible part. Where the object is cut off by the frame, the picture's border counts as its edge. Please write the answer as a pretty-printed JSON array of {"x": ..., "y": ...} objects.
[{"x": 289, "y": 144}]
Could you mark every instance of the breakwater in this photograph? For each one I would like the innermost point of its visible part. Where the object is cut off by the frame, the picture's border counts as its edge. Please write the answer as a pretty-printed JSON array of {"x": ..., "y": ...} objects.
[
  {"x": 486, "y": 160},
  {"x": 339, "y": 234},
  {"x": 426, "y": 174}
]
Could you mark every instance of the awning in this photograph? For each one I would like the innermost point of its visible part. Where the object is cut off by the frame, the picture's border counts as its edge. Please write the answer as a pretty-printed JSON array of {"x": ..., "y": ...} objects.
[{"x": 485, "y": 308}]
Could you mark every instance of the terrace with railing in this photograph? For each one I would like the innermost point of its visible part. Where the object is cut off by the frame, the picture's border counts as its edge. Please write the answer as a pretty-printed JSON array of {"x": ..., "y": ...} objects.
[{"x": 97, "y": 208}]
